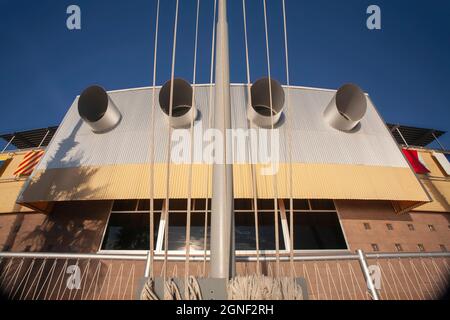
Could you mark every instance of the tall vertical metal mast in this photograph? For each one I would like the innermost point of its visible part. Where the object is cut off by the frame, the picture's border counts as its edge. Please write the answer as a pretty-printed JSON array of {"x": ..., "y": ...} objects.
[{"x": 222, "y": 211}]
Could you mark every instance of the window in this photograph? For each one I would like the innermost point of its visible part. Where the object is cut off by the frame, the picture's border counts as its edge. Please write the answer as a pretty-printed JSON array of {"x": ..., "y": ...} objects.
[
  {"x": 245, "y": 231},
  {"x": 421, "y": 247},
  {"x": 136, "y": 205},
  {"x": 398, "y": 247},
  {"x": 431, "y": 227},
  {"x": 318, "y": 231},
  {"x": 129, "y": 231},
  {"x": 375, "y": 247},
  {"x": 299, "y": 204},
  {"x": 411, "y": 227},
  {"x": 389, "y": 226},
  {"x": 322, "y": 205},
  {"x": 443, "y": 248},
  {"x": 314, "y": 229},
  {"x": 177, "y": 231},
  {"x": 367, "y": 226}
]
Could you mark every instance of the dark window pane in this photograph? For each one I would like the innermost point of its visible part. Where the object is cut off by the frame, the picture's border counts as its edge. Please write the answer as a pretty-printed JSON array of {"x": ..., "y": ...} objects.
[
  {"x": 200, "y": 204},
  {"x": 243, "y": 204},
  {"x": 144, "y": 205},
  {"x": 301, "y": 204},
  {"x": 322, "y": 205},
  {"x": 125, "y": 205},
  {"x": 267, "y": 231},
  {"x": 245, "y": 232},
  {"x": 298, "y": 204},
  {"x": 266, "y": 204},
  {"x": 318, "y": 231},
  {"x": 177, "y": 231},
  {"x": 178, "y": 205},
  {"x": 129, "y": 232}
]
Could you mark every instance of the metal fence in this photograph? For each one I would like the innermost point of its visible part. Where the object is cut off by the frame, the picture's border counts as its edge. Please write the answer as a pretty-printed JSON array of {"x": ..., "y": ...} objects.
[{"x": 51, "y": 276}]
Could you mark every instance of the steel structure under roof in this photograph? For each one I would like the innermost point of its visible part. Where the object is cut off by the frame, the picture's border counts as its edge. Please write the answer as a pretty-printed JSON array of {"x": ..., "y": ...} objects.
[
  {"x": 418, "y": 137},
  {"x": 30, "y": 138},
  {"x": 414, "y": 136}
]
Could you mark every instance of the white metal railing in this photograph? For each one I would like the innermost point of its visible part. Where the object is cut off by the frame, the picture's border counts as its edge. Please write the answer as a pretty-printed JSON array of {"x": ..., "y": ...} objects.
[{"x": 340, "y": 276}]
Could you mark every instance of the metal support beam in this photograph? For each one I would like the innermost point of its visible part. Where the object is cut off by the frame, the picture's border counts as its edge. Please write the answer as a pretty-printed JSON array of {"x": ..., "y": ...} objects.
[
  {"x": 401, "y": 136},
  {"x": 43, "y": 139},
  {"x": 222, "y": 211},
  {"x": 9, "y": 143},
  {"x": 437, "y": 140},
  {"x": 367, "y": 276}
]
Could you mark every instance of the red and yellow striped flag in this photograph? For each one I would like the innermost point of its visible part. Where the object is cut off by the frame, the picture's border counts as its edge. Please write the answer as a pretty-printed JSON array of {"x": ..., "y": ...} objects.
[{"x": 28, "y": 163}]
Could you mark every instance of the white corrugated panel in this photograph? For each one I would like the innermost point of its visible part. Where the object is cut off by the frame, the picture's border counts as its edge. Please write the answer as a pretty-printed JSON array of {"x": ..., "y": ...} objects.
[
  {"x": 442, "y": 160},
  {"x": 313, "y": 141}
]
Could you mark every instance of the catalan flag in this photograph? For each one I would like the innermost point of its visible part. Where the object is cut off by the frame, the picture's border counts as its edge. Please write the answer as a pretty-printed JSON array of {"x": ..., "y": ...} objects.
[
  {"x": 416, "y": 164},
  {"x": 28, "y": 163}
]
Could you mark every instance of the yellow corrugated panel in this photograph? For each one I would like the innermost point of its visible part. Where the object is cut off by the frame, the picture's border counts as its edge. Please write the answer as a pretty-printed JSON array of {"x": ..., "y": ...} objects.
[
  {"x": 8, "y": 195},
  {"x": 430, "y": 162},
  {"x": 439, "y": 191},
  {"x": 313, "y": 181},
  {"x": 15, "y": 160},
  {"x": 4, "y": 157},
  {"x": 436, "y": 183}
]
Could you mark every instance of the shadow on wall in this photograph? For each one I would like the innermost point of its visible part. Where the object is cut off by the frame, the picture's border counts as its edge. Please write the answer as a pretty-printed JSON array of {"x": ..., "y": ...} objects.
[
  {"x": 73, "y": 226},
  {"x": 74, "y": 184},
  {"x": 70, "y": 227}
]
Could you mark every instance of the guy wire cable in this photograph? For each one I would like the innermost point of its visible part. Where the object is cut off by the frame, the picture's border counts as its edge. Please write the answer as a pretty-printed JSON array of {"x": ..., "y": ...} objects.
[
  {"x": 188, "y": 219},
  {"x": 210, "y": 111},
  {"x": 250, "y": 125},
  {"x": 166, "y": 213},
  {"x": 274, "y": 178}
]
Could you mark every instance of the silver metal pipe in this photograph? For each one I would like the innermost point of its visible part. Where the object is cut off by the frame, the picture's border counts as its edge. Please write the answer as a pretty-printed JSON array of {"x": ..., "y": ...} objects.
[
  {"x": 347, "y": 107},
  {"x": 99, "y": 256},
  {"x": 365, "y": 270},
  {"x": 98, "y": 110},
  {"x": 199, "y": 257},
  {"x": 222, "y": 217},
  {"x": 408, "y": 255},
  {"x": 182, "y": 109},
  {"x": 267, "y": 103}
]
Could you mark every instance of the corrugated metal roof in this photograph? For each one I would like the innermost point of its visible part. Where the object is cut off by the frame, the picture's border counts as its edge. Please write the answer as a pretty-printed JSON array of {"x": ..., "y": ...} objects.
[
  {"x": 419, "y": 137},
  {"x": 30, "y": 138},
  {"x": 313, "y": 141}
]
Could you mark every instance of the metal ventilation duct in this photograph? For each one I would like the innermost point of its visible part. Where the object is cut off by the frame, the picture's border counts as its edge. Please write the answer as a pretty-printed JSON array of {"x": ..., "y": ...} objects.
[
  {"x": 182, "y": 110},
  {"x": 263, "y": 113},
  {"x": 98, "y": 110},
  {"x": 347, "y": 108}
]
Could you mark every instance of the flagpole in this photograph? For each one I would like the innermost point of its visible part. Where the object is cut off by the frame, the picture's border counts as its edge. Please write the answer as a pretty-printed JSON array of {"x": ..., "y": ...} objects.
[{"x": 222, "y": 210}]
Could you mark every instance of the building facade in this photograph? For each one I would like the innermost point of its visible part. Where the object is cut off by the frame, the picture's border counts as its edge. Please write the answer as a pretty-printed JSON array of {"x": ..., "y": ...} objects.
[{"x": 334, "y": 191}]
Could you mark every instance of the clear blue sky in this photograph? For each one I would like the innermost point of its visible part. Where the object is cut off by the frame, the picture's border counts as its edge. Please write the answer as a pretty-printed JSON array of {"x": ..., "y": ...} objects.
[{"x": 405, "y": 67}]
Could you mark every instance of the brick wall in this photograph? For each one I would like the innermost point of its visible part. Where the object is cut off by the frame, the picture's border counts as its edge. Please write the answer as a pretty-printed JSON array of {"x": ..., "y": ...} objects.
[
  {"x": 378, "y": 214},
  {"x": 71, "y": 227}
]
